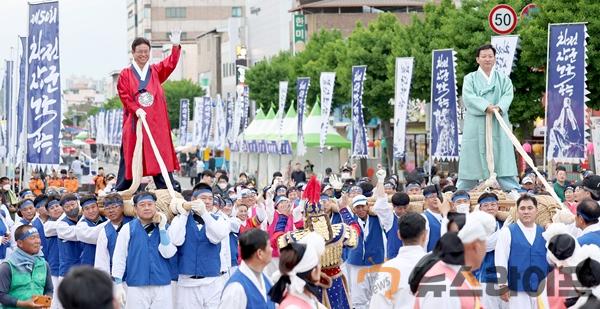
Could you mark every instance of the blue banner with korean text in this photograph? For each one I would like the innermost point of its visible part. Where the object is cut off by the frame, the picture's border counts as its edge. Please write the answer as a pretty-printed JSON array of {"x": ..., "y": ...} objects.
[
  {"x": 184, "y": 117},
  {"x": 206, "y": 122},
  {"x": 443, "y": 117},
  {"x": 302, "y": 85},
  {"x": 566, "y": 92},
  {"x": 229, "y": 119},
  {"x": 21, "y": 99},
  {"x": 43, "y": 80},
  {"x": 359, "y": 131}
]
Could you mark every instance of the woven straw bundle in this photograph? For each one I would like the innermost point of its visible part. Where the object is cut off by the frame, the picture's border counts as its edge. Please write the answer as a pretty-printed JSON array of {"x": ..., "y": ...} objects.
[
  {"x": 163, "y": 202},
  {"x": 547, "y": 208}
]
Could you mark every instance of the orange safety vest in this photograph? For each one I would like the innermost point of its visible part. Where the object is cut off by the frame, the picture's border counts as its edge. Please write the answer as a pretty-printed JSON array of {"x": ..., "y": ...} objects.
[
  {"x": 71, "y": 185},
  {"x": 469, "y": 283}
]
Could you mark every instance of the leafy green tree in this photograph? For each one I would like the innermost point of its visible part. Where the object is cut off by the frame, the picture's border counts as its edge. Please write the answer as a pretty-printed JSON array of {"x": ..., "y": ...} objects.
[
  {"x": 174, "y": 92},
  {"x": 263, "y": 80}
]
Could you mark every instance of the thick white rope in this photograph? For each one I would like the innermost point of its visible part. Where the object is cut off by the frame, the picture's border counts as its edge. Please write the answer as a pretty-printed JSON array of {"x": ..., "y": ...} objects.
[
  {"x": 137, "y": 160},
  {"x": 489, "y": 150},
  {"x": 520, "y": 150}
]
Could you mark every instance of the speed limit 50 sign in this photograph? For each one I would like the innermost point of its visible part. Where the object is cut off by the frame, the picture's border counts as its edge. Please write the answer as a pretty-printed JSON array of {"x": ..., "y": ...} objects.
[{"x": 503, "y": 19}]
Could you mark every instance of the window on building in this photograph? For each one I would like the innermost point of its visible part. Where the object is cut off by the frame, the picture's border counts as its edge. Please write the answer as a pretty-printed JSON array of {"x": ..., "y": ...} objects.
[
  {"x": 130, "y": 20},
  {"x": 175, "y": 12},
  {"x": 236, "y": 11}
]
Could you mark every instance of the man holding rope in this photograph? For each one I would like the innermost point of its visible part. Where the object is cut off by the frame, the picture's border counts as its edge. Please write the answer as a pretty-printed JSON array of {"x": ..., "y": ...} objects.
[
  {"x": 485, "y": 91},
  {"x": 142, "y": 96}
]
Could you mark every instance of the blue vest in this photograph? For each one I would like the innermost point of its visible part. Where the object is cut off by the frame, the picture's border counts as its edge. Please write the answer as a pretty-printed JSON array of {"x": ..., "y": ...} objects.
[
  {"x": 3, "y": 231},
  {"x": 53, "y": 254},
  {"x": 435, "y": 229},
  {"x": 335, "y": 219},
  {"x": 393, "y": 240},
  {"x": 527, "y": 265},
  {"x": 254, "y": 300},
  {"x": 233, "y": 247},
  {"x": 88, "y": 251},
  {"x": 111, "y": 237},
  {"x": 487, "y": 271},
  {"x": 370, "y": 251},
  {"x": 592, "y": 238},
  {"x": 145, "y": 266},
  {"x": 197, "y": 255},
  {"x": 70, "y": 252}
]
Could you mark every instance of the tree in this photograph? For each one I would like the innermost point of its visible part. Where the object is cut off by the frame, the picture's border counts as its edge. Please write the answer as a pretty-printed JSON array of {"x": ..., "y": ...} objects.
[
  {"x": 263, "y": 79},
  {"x": 174, "y": 92}
]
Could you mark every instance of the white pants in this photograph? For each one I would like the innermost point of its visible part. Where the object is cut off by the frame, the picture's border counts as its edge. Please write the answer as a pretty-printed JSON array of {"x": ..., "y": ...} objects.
[
  {"x": 149, "y": 297},
  {"x": 489, "y": 300},
  {"x": 55, "y": 302},
  {"x": 205, "y": 293},
  {"x": 360, "y": 292}
]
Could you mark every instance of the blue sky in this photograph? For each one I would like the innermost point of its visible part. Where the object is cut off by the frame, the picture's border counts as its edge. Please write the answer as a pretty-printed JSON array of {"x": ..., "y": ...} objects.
[{"x": 93, "y": 34}]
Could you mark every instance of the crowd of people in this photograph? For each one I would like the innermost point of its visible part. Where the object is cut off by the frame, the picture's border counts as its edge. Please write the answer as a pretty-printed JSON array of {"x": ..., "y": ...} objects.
[{"x": 341, "y": 242}]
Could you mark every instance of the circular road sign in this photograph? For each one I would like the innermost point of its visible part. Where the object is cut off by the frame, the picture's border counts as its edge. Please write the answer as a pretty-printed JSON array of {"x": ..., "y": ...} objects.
[{"x": 503, "y": 19}]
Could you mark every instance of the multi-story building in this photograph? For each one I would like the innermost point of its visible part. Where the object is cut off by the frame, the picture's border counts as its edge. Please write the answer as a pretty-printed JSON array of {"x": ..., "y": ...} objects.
[
  {"x": 343, "y": 14},
  {"x": 155, "y": 19},
  {"x": 269, "y": 25},
  {"x": 80, "y": 91}
]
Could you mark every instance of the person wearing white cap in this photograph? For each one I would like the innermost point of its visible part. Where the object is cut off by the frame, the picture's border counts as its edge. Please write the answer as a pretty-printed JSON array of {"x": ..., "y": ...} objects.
[
  {"x": 459, "y": 289},
  {"x": 370, "y": 250},
  {"x": 527, "y": 184},
  {"x": 199, "y": 235},
  {"x": 521, "y": 252},
  {"x": 297, "y": 282}
]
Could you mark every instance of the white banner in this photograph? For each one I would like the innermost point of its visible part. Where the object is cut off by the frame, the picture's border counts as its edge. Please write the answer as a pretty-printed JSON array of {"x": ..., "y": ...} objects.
[
  {"x": 221, "y": 123},
  {"x": 327, "y": 83},
  {"x": 197, "y": 129},
  {"x": 506, "y": 48},
  {"x": 404, "y": 68},
  {"x": 283, "y": 88},
  {"x": 595, "y": 128}
]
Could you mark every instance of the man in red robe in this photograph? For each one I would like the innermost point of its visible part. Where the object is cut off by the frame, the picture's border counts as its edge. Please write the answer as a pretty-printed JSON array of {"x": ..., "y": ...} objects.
[{"x": 142, "y": 95}]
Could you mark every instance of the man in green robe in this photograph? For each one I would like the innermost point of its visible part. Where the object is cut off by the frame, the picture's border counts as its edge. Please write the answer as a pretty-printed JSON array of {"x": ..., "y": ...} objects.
[{"x": 483, "y": 92}]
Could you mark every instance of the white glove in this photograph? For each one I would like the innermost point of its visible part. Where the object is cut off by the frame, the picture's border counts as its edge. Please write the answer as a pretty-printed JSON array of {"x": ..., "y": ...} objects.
[
  {"x": 162, "y": 223},
  {"x": 177, "y": 206},
  {"x": 261, "y": 213},
  {"x": 198, "y": 207},
  {"x": 140, "y": 113},
  {"x": 335, "y": 182},
  {"x": 564, "y": 216},
  {"x": 381, "y": 175},
  {"x": 297, "y": 213},
  {"x": 120, "y": 295},
  {"x": 175, "y": 37}
]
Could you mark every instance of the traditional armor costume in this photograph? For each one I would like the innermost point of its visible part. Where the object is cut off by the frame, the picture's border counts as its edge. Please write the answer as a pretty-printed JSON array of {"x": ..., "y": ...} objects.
[{"x": 336, "y": 236}]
